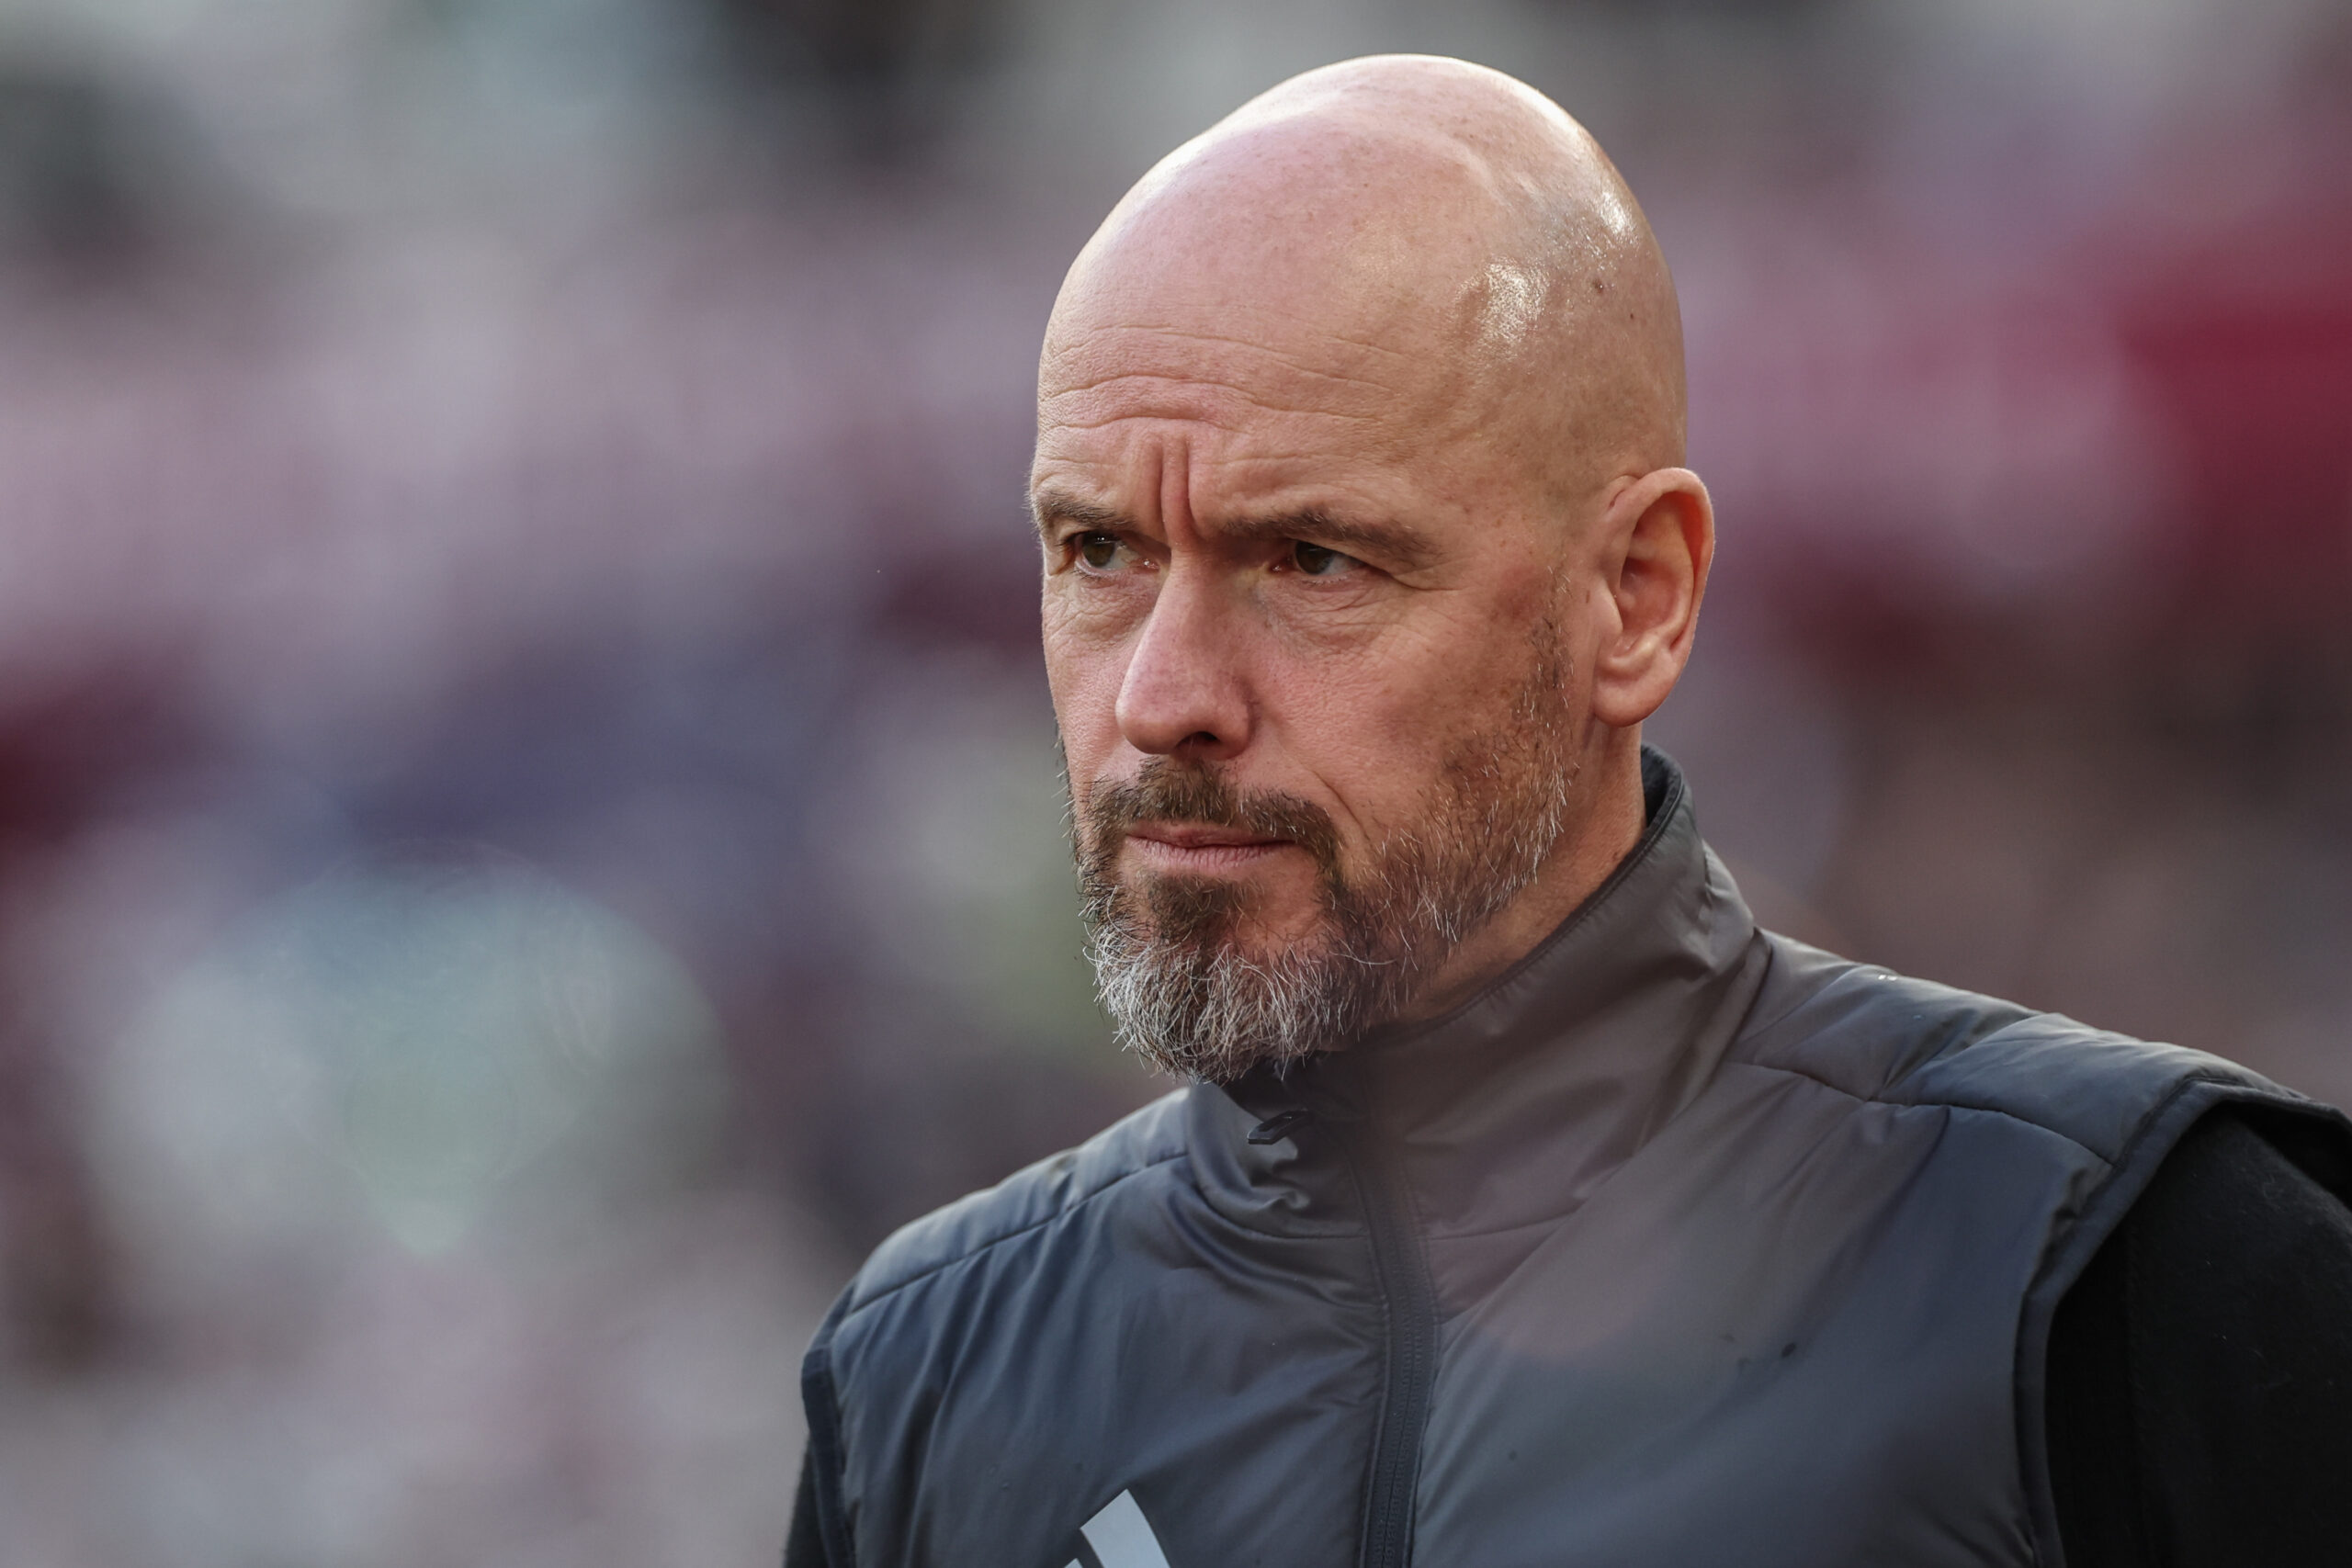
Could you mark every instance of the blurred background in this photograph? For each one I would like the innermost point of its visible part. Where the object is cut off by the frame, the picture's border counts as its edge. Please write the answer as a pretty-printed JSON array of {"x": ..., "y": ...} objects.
[{"x": 528, "y": 829}]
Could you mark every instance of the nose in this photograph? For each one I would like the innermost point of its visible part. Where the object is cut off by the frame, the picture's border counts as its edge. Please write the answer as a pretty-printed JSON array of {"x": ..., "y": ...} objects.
[{"x": 1184, "y": 693}]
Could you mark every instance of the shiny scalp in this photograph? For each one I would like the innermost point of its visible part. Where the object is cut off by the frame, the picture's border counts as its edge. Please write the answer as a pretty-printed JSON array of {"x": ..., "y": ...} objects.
[{"x": 1399, "y": 205}]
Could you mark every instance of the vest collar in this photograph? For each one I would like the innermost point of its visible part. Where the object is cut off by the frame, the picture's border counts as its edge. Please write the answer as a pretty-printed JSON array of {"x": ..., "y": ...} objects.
[{"x": 1508, "y": 1110}]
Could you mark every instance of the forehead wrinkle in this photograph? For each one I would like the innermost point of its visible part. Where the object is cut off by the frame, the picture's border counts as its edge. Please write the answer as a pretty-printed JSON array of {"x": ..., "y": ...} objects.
[
  {"x": 1253, "y": 345},
  {"x": 1189, "y": 416},
  {"x": 1172, "y": 328},
  {"x": 1298, "y": 361},
  {"x": 1114, "y": 378}
]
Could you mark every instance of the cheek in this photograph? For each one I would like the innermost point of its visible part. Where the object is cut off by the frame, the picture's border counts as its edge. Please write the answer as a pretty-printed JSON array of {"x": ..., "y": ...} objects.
[
  {"x": 1376, "y": 730},
  {"x": 1084, "y": 672},
  {"x": 1370, "y": 730}
]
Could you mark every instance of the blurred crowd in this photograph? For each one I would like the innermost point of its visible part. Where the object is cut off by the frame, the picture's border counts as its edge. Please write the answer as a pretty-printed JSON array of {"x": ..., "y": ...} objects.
[{"x": 529, "y": 829}]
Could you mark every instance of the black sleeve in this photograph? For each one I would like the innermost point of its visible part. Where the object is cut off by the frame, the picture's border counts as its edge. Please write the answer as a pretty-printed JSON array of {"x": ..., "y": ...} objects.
[{"x": 2200, "y": 1371}]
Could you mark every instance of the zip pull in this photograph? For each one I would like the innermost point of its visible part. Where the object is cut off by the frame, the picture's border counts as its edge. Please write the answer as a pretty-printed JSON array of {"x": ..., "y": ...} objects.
[{"x": 1279, "y": 1125}]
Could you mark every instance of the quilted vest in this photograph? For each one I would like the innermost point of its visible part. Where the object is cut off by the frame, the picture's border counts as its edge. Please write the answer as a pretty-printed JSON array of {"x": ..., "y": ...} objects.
[{"x": 1681, "y": 1245}]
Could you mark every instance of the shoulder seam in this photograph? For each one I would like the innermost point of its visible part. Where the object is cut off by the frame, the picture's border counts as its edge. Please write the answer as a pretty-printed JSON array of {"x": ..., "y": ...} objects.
[
  {"x": 1064, "y": 1212},
  {"x": 2186, "y": 1082},
  {"x": 1922, "y": 1104}
]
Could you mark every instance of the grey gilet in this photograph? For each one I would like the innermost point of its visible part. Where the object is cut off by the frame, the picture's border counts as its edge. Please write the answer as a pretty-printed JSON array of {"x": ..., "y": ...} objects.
[{"x": 1681, "y": 1244}]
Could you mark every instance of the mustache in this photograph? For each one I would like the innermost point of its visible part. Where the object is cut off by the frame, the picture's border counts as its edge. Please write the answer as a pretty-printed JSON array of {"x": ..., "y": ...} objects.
[{"x": 1164, "y": 791}]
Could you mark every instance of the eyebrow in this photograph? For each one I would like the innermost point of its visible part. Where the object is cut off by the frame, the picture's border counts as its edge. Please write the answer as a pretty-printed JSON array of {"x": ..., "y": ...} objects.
[
  {"x": 1399, "y": 540},
  {"x": 1054, "y": 507}
]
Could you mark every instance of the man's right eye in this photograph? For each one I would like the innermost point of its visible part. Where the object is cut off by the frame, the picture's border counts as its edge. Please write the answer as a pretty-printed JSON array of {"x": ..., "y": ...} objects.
[{"x": 1100, "y": 551}]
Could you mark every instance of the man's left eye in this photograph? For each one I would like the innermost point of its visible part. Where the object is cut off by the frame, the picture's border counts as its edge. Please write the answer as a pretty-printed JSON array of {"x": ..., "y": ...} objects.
[{"x": 1314, "y": 560}]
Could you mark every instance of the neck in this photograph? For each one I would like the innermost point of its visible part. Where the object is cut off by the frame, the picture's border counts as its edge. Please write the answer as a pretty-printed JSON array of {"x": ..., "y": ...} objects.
[{"x": 1606, "y": 822}]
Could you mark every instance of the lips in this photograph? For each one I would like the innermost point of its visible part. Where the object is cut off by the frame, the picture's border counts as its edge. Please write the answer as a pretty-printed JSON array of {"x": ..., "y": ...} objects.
[
  {"x": 1195, "y": 836},
  {"x": 1194, "y": 847},
  {"x": 1177, "y": 818}
]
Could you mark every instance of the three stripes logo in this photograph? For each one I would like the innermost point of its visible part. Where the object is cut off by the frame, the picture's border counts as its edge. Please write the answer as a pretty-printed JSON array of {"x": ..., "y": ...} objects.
[{"x": 1120, "y": 1537}]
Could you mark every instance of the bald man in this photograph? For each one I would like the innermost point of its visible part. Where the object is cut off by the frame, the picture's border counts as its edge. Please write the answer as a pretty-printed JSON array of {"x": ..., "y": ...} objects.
[{"x": 1526, "y": 1204}]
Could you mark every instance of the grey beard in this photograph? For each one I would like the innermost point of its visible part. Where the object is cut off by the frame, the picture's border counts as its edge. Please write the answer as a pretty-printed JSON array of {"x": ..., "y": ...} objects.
[
  {"x": 1186, "y": 995},
  {"x": 1210, "y": 1009}
]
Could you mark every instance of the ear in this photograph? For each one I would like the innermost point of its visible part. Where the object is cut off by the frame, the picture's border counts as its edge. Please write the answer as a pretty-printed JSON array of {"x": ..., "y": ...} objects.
[{"x": 1657, "y": 538}]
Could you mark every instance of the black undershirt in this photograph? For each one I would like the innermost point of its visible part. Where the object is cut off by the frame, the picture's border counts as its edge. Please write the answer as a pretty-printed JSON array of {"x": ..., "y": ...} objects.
[
  {"x": 2200, "y": 1371},
  {"x": 2201, "y": 1374}
]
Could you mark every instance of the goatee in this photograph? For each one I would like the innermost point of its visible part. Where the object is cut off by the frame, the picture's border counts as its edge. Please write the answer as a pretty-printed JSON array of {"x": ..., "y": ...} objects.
[{"x": 1186, "y": 989}]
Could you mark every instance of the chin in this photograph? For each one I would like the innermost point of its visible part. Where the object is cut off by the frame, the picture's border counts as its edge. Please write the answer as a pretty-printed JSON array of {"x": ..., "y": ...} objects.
[{"x": 1249, "y": 911}]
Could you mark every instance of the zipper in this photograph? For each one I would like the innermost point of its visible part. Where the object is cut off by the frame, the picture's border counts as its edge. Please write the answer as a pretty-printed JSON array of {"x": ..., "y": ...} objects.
[{"x": 1408, "y": 1302}]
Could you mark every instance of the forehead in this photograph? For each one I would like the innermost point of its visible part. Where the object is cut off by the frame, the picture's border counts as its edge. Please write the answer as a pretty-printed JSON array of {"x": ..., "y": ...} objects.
[
  {"x": 1293, "y": 312},
  {"x": 1243, "y": 423},
  {"x": 1245, "y": 370},
  {"x": 1278, "y": 400}
]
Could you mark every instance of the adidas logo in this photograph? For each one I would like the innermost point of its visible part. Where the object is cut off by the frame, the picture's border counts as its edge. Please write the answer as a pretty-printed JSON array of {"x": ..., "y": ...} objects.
[{"x": 1120, "y": 1537}]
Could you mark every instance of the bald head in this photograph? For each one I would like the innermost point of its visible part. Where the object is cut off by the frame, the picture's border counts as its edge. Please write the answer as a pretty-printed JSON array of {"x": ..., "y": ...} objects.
[{"x": 1425, "y": 246}]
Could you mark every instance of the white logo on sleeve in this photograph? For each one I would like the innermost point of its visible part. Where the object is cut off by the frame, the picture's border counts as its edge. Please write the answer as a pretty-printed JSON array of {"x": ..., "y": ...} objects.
[{"x": 1122, "y": 1537}]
